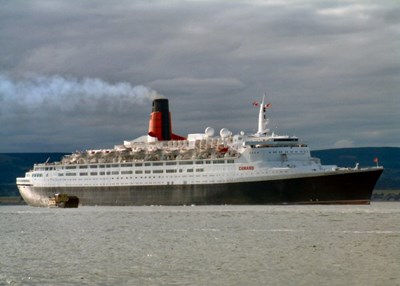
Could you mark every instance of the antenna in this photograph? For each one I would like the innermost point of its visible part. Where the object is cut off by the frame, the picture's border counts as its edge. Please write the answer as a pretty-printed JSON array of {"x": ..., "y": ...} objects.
[{"x": 262, "y": 118}]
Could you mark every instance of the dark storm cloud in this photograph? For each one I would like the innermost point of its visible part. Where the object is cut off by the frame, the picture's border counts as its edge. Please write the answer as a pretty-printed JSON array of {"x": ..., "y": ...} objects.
[{"x": 330, "y": 69}]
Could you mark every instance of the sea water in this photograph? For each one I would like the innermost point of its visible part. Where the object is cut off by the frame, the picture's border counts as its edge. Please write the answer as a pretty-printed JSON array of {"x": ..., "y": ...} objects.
[{"x": 201, "y": 245}]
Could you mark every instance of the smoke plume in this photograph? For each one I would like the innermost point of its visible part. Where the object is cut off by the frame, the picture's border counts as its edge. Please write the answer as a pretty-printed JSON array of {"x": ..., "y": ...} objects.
[{"x": 67, "y": 94}]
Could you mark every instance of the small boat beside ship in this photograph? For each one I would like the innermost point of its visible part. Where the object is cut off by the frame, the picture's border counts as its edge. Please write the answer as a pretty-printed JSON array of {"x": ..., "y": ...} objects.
[
  {"x": 162, "y": 168},
  {"x": 63, "y": 201}
]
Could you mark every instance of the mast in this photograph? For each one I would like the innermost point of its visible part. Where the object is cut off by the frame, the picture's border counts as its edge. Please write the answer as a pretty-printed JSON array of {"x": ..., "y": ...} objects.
[{"x": 262, "y": 118}]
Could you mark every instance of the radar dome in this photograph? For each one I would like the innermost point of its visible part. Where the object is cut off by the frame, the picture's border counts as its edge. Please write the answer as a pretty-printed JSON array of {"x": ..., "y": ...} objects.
[
  {"x": 209, "y": 132},
  {"x": 224, "y": 133}
]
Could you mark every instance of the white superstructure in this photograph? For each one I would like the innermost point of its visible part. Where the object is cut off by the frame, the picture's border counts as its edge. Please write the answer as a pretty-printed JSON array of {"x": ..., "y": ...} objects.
[
  {"x": 201, "y": 159},
  {"x": 165, "y": 168}
]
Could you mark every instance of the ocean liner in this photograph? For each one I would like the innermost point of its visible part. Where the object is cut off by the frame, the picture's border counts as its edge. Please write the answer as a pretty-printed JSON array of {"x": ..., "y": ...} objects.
[{"x": 162, "y": 168}]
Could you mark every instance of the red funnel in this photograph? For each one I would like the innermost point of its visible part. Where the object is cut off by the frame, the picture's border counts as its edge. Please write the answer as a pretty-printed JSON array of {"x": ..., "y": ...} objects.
[{"x": 160, "y": 121}]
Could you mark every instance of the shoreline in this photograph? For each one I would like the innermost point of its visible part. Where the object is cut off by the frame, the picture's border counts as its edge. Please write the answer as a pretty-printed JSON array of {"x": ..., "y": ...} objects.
[
  {"x": 385, "y": 195},
  {"x": 12, "y": 201}
]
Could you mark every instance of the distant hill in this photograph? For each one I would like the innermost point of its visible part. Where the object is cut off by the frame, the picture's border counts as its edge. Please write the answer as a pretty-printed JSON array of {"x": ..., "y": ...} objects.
[{"x": 13, "y": 165}]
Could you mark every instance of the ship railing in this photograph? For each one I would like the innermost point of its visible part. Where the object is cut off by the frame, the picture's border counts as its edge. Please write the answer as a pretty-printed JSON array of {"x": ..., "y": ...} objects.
[
  {"x": 149, "y": 159},
  {"x": 151, "y": 155}
]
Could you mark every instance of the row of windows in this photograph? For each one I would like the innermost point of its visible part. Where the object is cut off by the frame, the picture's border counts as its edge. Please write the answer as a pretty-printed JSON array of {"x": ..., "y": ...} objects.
[
  {"x": 287, "y": 152},
  {"x": 124, "y": 165},
  {"x": 273, "y": 145},
  {"x": 280, "y": 152},
  {"x": 113, "y": 181},
  {"x": 127, "y": 172}
]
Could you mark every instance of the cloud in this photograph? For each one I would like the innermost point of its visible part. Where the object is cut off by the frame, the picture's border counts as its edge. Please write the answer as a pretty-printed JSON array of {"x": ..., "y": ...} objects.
[
  {"x": 326, "y": 66},
  {"x": 190, "y": 84},
  {"x": 345, "y": 11},
  {"x": 343, "y": 143}
]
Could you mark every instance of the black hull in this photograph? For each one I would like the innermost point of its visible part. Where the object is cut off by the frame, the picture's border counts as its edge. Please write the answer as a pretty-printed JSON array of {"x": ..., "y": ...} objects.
[{"x": 342, "y": 187}]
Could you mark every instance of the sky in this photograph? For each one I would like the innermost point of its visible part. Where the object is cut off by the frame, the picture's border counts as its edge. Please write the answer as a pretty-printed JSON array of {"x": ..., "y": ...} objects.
[{"x": 78, "y": 75}]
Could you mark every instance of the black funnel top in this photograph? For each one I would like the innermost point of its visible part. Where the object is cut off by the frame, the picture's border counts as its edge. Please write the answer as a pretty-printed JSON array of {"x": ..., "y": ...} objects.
[{"x": 161, "y": 105}]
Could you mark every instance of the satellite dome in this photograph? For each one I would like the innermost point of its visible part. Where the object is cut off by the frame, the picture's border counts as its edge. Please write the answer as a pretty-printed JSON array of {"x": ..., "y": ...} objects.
[
  {"x": 224, "y": 133},
  {"x": 209, "y": 132}
]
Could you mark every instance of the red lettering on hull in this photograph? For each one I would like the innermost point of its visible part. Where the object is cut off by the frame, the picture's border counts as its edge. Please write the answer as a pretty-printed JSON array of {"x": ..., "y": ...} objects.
[{"x": 246, "y": 168}]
